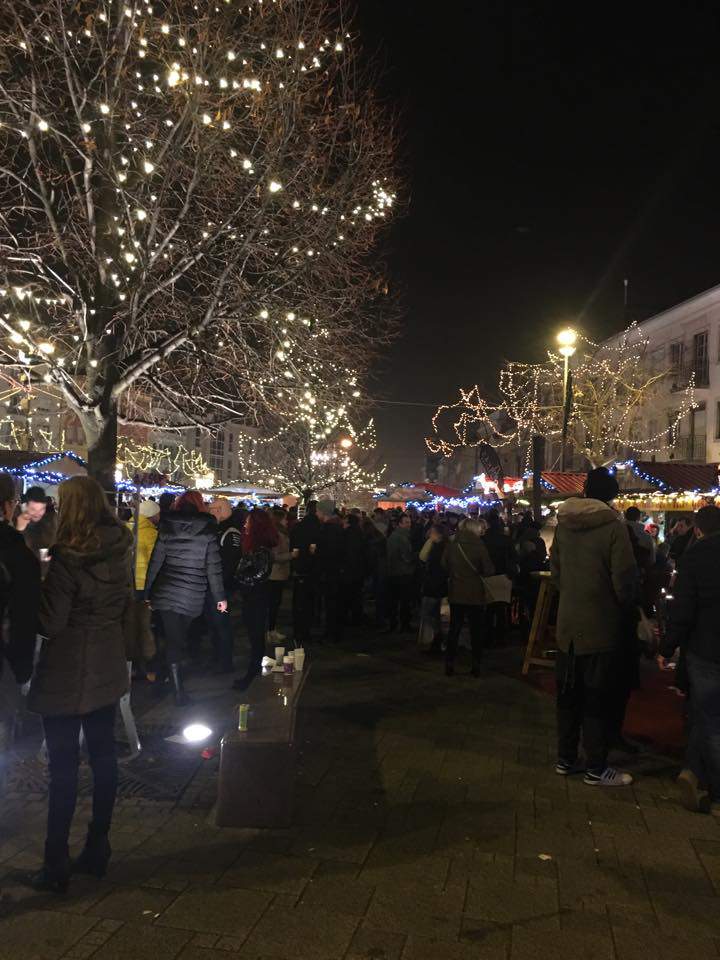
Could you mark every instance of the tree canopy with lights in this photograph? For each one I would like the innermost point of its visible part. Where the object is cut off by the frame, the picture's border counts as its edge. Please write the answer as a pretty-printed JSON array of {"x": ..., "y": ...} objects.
[
  {"x": 614, "y": 391},
  {"x": 191, "y": 193}
]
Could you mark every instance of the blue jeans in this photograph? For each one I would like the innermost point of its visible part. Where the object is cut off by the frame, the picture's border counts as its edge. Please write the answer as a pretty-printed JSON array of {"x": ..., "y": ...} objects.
[{"x": 703, "y": 749}]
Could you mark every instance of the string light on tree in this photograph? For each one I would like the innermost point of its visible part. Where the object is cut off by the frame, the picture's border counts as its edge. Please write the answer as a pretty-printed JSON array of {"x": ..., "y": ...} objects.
[{"x": 151, "y": 248}]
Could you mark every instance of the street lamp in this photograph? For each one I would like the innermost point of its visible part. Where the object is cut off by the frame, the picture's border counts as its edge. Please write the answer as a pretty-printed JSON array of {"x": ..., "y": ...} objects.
[{"x": 566, "y": 346}]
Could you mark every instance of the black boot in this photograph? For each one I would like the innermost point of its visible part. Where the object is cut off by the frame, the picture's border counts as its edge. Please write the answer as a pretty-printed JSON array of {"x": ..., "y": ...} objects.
[
  {"x": 54, "y": 876},
  {"x": 95, "y": 855},
  {"x": 181, "y": 698}
]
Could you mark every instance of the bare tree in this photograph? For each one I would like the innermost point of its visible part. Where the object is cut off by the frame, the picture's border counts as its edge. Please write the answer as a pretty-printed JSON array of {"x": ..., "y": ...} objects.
[
  {"x": 320, "y": 452},
  {"x": 190, "y": 196},
  {"x": 614, "y": 394}
]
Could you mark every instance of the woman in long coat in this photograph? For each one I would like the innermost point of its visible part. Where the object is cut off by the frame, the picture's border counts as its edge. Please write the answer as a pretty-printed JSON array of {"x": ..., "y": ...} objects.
[
  {"x": 185, "y": 565},
  {"x": 85, "y": 614}
]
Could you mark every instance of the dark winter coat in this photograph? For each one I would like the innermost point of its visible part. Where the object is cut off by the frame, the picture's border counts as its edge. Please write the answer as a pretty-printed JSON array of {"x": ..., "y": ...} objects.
[
  {"x": 85, "y": 614},
  {"x": 467, "y": 561},
  {"x": 401, "y": 558},
  {"x": 19, "y": 599},
  {"x": 42, "y": 534},
  {"x": 354, "y": 557},
  {"x": 502, "y": 553},
  {"x": 435, "y": 578},
  {"x": 230, "y": 543},
  {"x": 305, "y": 532},
  {"x": 185, "y": 564},
  {"x": 594, "y": 569},
  {"x": 694, "y": 612},
  {"x": 329, "y": 557}
]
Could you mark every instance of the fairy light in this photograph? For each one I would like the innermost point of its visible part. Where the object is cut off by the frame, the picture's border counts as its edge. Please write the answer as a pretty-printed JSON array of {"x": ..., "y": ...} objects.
[{"x": 186, "y": 97}]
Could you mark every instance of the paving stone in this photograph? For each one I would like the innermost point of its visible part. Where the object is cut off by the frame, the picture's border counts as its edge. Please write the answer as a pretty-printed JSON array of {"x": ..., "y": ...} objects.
[
  {"x": 128, "y": 903},
  {"x": 337, "y": 891},
  {"x": 143, "y": 941},
  {"x": 580, "y": 945},
  {"x": 482, "y": 945},
  {"x": 419, "y": 909},
  {"x": 639, "y": 941},
  {"x": 303, "y": 934},
  {"x": 41, "y": 934},
  {"x": 371, "y": 944},
  {"x": 513, "y": 901},
  {"x": 231, "y": 912},
  {"x": 271, "y": 872},
  {"x": 584, "y": 885},
  {"x": 688, "y": 916},
  {"x": 334, "y": 841}
]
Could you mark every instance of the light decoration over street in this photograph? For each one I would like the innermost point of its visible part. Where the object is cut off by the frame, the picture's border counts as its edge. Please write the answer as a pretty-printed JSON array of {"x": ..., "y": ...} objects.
[
  {"x": 614, "y": 392},
  {"x": 177, "y": 180}
]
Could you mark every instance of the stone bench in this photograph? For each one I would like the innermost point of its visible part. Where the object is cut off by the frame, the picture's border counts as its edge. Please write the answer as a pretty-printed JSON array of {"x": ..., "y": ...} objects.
[{"x": 257, "y": 765}]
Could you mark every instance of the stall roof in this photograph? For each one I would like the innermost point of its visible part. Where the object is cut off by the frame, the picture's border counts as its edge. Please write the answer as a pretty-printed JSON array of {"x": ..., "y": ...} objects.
[
  {"x": 564, "y": 483},
  {"x": 674, "y": 475},
  {"x": 438, "y": 489},
  {"x": 244, "y": 489}
]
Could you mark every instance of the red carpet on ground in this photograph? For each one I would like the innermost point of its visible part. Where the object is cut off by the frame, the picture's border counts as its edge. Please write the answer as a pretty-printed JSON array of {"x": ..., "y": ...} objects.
[{"x": 655, "y": 714}]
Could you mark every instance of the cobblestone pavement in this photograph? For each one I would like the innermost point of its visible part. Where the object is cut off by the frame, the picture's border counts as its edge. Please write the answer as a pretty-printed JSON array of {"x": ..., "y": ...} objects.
[{"x": 429, "y": 824}]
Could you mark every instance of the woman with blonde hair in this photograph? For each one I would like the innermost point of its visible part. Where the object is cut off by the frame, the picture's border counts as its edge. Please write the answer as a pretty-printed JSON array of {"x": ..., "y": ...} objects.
[{"x": 85, "y": 611}]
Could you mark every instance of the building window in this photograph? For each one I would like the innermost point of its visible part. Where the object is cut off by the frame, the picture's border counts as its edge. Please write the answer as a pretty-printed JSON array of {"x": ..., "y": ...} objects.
[
  {"x": 216, "y": 459},
  {"x": 700, "y": 358},
  {"x": 676, "y": 357}
]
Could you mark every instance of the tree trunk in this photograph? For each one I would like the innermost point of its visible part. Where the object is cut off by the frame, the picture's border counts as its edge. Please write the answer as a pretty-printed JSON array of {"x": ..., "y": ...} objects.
[{"x": 101, "y": 435}]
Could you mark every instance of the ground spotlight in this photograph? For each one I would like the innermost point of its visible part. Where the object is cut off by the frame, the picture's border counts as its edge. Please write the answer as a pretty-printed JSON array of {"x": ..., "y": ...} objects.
[{"x": 196, "y": 732}]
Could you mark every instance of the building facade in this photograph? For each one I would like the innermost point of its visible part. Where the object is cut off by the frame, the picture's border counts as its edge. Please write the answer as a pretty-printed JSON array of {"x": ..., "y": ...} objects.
[{"x": 684, "y": 345}]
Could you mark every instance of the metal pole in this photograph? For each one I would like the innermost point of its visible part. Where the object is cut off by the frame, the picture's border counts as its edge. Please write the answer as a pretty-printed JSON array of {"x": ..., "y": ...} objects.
[
  {"x": 538, "y": 465},
  {"x": 563, "y": 445}
]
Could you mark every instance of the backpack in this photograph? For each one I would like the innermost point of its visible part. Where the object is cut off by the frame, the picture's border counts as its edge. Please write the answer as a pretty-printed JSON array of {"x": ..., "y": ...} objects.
[{"x": 253, "y": 568}]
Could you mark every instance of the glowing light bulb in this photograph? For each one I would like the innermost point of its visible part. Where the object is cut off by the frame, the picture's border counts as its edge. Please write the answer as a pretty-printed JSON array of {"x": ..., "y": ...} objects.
[
  {"x": 46, "y": 348},
  {"x": 148, "y": 167},
  {"x": 104, "y": 108},
  {"x": 16, "y": 337},
  {"x": 206, "y": 118},
  {"x": 173, "y": 78},
  {"x": 43, "y": 125},
  {"x": 140, "y": 214},
  {"x": 274, "y": 186}
]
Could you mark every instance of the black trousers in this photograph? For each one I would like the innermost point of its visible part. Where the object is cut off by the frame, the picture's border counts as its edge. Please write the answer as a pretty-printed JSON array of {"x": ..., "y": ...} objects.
[
  {"x": 304, "y": 592},
  {"x": 399, "y": 599},
  {"x": 255, "y": 617},
  {"x": 176, "y": 628},
  {"x": 221, "y": 629},
  {"x": 475, "y": 615},
  {"x": 352, "y": 602},
  {"x": 62, "y": 736},
  {"x": 586, "y": 687},
  {"x": 332, "y": 597},
  {"x": 275, "y": 592}
]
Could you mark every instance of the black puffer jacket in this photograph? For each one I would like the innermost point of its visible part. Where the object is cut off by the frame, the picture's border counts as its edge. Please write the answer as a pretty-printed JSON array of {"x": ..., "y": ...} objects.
[
  {"x": 19, "y": 597},
  {"x": 85, "y": 612},
  {"x": 185, "y": 564},
  {"x": 694, "y": 612}
]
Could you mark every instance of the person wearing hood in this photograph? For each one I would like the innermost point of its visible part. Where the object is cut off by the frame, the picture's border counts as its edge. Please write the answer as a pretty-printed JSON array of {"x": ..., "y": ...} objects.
[
  {"x": 81, "y": 674},
  {"x": 185, "y": 565},
  {"x": 467, "y": 561},
  {"x": 593, "y": 568},
  {"x": 144, "y": 647}
]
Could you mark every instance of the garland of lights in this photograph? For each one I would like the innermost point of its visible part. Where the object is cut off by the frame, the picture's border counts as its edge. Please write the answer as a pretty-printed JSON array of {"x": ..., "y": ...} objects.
[
  {"x": 612, "y": 392},
  {"x": 170, "y": 248}
]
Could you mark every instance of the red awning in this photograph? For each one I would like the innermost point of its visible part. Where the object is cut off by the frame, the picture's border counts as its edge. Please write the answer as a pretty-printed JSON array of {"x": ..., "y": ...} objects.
[
  {"x": 565, "y": 483},
  {"x": 674, "y": 476},
  {"x": 438, "y": 489}
]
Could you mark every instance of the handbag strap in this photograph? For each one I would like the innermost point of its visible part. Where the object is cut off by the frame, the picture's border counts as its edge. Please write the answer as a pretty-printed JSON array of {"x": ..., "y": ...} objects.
[{"x": 468, "y": 560}]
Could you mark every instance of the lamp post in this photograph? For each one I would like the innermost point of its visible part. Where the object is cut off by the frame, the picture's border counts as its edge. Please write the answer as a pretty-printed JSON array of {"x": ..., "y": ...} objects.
[{"x": 566, "y": 344}]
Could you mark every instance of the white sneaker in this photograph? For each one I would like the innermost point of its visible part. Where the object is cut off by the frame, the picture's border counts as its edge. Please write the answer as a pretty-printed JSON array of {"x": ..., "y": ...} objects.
[{"x": 610, "y": 777}]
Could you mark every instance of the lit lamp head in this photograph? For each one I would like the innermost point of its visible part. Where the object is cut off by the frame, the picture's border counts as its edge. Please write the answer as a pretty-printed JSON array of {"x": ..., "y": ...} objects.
[
  {"x": 346, "y": 443},
  {"x": 566, "y": 342}
]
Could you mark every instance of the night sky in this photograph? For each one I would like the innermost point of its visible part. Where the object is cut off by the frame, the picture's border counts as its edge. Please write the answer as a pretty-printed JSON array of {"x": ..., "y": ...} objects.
[{"x": 552, "y": 150}]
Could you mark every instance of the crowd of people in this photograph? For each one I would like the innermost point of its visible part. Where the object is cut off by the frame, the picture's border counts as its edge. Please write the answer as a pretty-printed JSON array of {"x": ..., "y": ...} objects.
[{"x": 105, "y": 588}]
